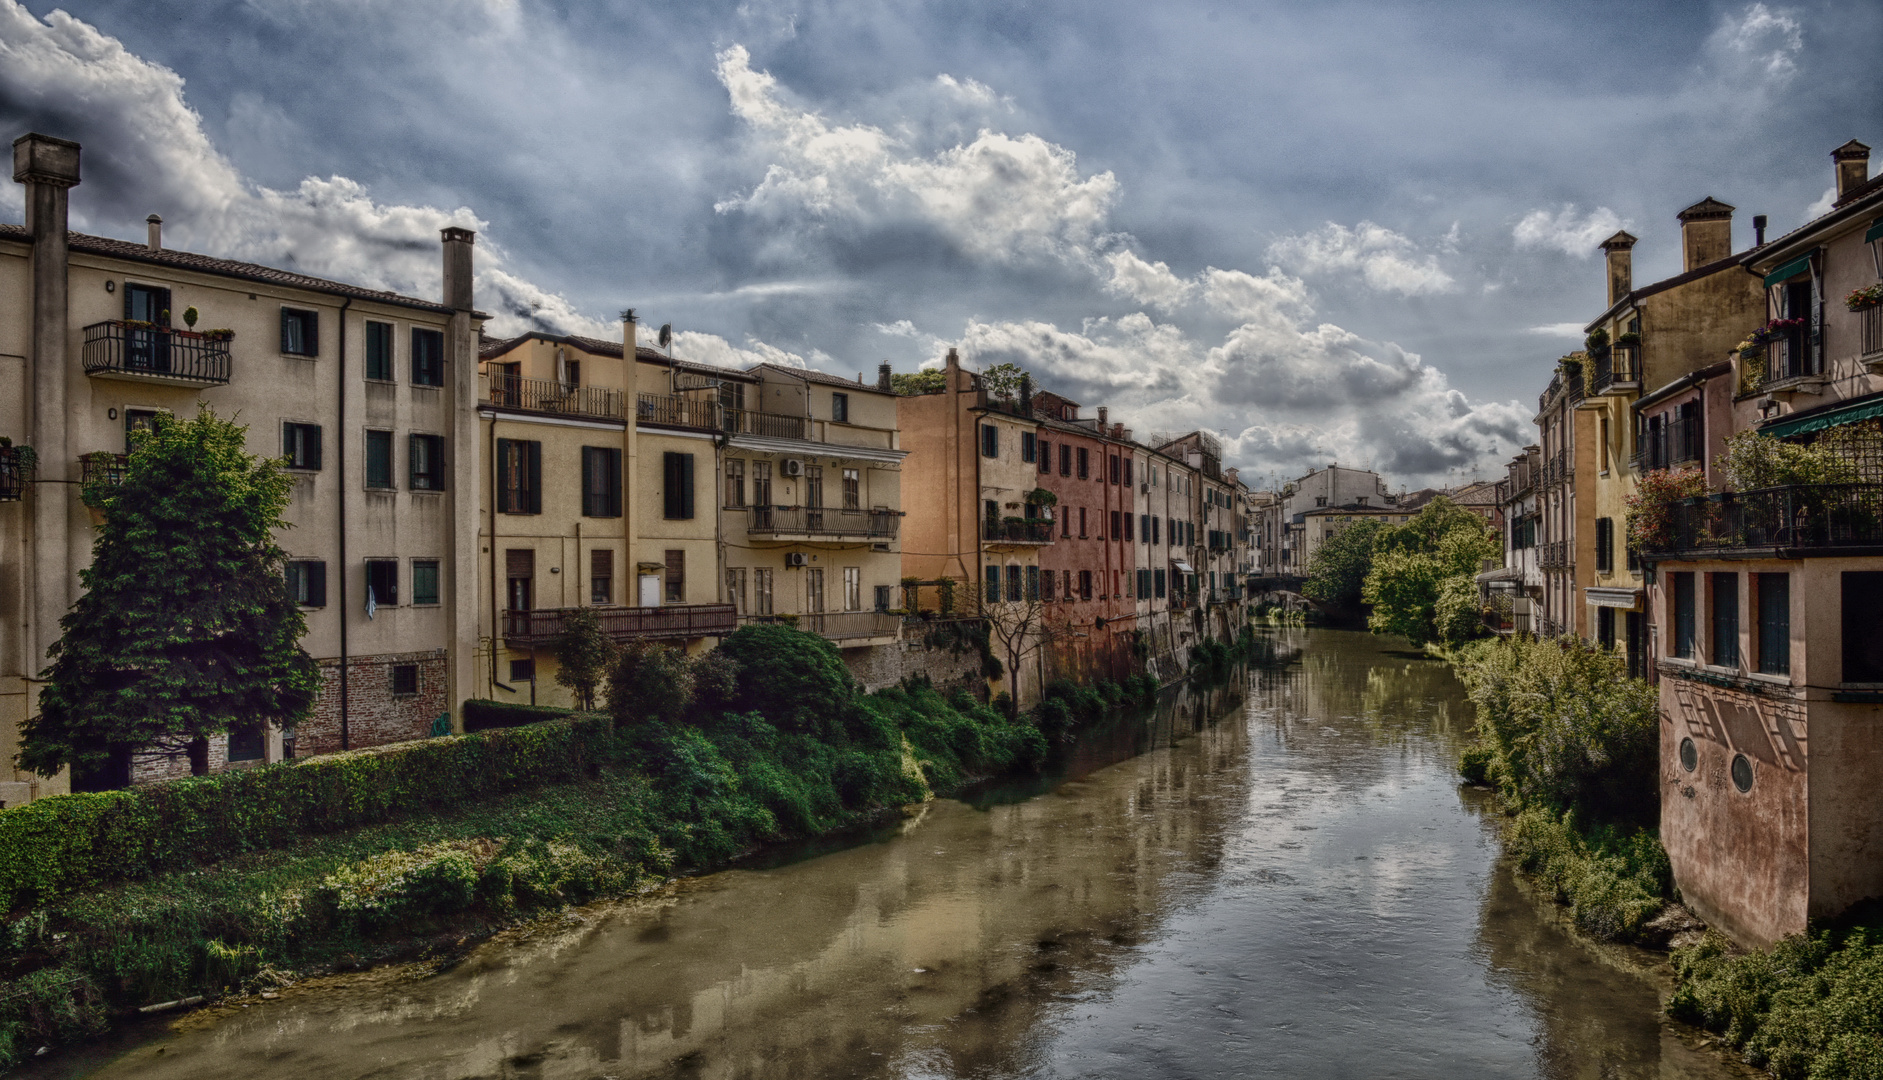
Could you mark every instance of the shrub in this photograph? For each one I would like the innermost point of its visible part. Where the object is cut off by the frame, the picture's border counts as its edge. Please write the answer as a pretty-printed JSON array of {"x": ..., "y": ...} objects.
[
  {"x": 48, "y": 1006},
  {"x": 1457, "y": 616},
  {"x": 649, "y": 682},
  {"x": 393, "y": 888},
  {"x": 1650, "y": 515},
  {"x": 1613, "y": 881},
  {"x": 797, "y": 680},
  {"x": 482, "y": 715}
]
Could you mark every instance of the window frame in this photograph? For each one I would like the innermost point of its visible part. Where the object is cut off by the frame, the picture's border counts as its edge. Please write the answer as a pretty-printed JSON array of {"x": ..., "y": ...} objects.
[
  {"x": 381, "y": 369},
  {"x": 376, "y": 568},
  {"x": 1771, "y": 593},
  {"x": 990, "y": 441},
  {"x": 839, "y": 407},
  {"x": 732, "y": 494},
  {"x": 434, "y": 479},
  {"x": 397, "y": 674},
  {"x": 309, "y": 321},
  {"x": 435, "y": 567},
  {"x": 307, "y": 577},
  {"x": 1723, "y": 618},
  {"x": 519, "y": 476},
  {"x": 601, "y": 482},
  {"x": 376, "y": 438},
  {"x": 291, "y": 447},
  {"x": 677, "y": 486},
  {"x": 426, "y": 369}
]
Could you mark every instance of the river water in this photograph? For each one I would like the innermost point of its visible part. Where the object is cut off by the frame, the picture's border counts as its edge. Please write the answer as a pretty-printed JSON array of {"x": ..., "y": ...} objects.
[{"x": 1281, "y": 877}]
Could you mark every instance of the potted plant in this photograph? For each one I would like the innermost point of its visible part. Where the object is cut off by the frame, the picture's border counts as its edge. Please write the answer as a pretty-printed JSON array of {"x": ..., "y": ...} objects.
[
  {"x": 1651, "y": 506},
  {"x": 219, "y": 334},
  {"x": 1597, "y": 342},
  {"x": 1867, "y": 297},
  {"x": 189, "y": 320},
  {"x": 1628, "y": 340}
]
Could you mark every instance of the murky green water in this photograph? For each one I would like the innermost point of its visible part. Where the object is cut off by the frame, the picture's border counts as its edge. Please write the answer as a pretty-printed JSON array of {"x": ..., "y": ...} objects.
[{"x": 1281, "y": 878}]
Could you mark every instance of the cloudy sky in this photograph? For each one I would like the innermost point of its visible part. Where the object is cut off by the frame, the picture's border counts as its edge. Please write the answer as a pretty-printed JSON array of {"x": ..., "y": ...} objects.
[{"x": 1331, "y": 231}]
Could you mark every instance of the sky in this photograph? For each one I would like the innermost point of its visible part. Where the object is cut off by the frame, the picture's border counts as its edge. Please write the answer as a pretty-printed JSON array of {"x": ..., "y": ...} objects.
[{"x": 1326, "y": 232}]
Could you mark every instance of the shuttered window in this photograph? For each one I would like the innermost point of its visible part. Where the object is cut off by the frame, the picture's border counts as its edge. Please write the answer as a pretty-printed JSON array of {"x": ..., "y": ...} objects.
[
  {"x": 379, "y": 351},
  {"x": 428, "y": 357},
  {"x": 379, "y": 459},
  {"x": 990, "y": 441},
  {"x": 677, "y": 485},
  {"x": 300, "y": 445},
  {"x": 426, "y": 456},
  {"x": 601, "y": 482},
  {"x": 519, "y": 476},
  {"x": 307, "y": 583},
  {"x": 300, "y": 332}
]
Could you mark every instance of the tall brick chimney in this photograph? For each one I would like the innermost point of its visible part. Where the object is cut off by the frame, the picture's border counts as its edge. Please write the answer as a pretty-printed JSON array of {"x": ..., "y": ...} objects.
[
  {"x": 1853, "y": 167},
  {"x": 1706, "y": 233},
  {"x": 1621, "y": 280},
  {"x": 457, "y": 244}
]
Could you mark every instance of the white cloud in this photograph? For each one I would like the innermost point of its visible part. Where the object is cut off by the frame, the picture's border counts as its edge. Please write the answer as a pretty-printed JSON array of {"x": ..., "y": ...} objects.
[
  {"x": 1146, "y": 282},
  {"x": 1274, "y": 298},
  {"x": 1761, "y": 39},
  {"x": 717, "y": 351},
  {"x": 899, "y": 328},
  {"x": 1568, "y": 232},
  {"x": 1558, "y": 329},
  {"x": 1823, "y": 206},
  {"x": 998, "y": 197},
  {"x": 971, "y": 91},
  {"x": 1384, "y": 259}
]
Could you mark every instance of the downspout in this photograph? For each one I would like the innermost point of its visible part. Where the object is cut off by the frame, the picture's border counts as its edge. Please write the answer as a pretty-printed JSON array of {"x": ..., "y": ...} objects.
[
  {"x": 496, "y": 624},
  {"x": 342, "y": 473}
]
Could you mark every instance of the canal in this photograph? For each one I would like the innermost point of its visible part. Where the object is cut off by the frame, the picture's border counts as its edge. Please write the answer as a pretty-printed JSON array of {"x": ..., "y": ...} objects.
[{"x": 1280, "y": 877}]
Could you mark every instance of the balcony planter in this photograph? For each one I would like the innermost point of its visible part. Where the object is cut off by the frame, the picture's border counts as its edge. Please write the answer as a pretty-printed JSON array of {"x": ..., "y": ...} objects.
[
  {"x": 1859, "y": 299},
  {"x": 1628, "y": 340},
  {"x": 1651, "y": 508}
]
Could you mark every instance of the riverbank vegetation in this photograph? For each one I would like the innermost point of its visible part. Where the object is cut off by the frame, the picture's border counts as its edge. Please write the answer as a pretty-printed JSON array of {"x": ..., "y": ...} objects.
[
  {"x": 1414, "y": 579},
  {"x": 1570, "y": 744},
  {"x": 126, "y": 898}
]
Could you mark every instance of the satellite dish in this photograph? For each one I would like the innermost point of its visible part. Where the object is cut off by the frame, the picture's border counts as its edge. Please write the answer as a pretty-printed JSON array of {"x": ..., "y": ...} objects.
[{"x": 666, "y": 335}]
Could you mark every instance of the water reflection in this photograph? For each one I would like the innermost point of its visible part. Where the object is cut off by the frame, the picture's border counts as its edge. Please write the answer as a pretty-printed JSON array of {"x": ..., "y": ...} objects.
[{"x": 1277, "y": 876}]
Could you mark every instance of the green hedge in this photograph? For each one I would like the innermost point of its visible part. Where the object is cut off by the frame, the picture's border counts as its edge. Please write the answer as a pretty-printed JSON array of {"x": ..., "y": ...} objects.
[
  {"x": 483, "y": 714},
  {"x": 56, "y": 846}
]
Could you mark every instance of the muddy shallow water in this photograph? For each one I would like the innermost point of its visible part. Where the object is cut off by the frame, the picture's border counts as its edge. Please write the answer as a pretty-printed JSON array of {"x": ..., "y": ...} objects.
[{"x": 1277, "y": 878}]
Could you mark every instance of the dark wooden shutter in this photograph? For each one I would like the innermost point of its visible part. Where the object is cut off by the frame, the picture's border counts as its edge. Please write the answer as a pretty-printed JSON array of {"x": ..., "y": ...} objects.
[
  {"x": 316, "y": 576},
  {"x": 519, "y": 562},
  {"x": 506, "y": 491},
  {"x": 313, "y": 446},
  {"x": 601, "y": 563},
  {"x": 535, "y": 496},
  {"x": 678, "y": 486},
  {"x": 590, "y": 505},
  {"x": 614, "y": 482},
  {"x": 312, "y": 319}
]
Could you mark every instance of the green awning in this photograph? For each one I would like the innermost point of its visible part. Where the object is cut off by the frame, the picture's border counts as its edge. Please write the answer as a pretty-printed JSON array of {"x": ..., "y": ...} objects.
[
  {"x": 1876, "y": 231},
  {"x": 1850, "y": 413},
  {"x": 1789, "y": 270}
]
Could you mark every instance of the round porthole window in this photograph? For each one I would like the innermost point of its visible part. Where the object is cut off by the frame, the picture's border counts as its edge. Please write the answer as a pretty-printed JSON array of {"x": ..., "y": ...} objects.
[
  {"x": 1689, "y": 755},
  {"x": 1742, "y": 772}
]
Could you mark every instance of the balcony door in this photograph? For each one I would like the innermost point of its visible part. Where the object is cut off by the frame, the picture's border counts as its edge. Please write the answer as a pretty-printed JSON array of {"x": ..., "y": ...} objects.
[
  {"x": 147, "y": 349},
  {"x": 814, "y": 498}
]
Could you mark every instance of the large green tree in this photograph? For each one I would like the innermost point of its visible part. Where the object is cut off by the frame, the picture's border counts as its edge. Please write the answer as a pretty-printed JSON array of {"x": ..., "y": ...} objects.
[
  {"x": 584, "y": 654},
  {"x": 1414, "y": 565},
  {"x": 1339, "y": 567},
  {"x": 185, "y": 629}
]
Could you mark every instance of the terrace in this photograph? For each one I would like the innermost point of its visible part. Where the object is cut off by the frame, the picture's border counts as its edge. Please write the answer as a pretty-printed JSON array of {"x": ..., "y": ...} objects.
[
  {"x": 144, "y": 352},
  {"x": 551, "y": 396},
  {"x": 795, "y": 523},
  {"x": 1782, "y": 522}
]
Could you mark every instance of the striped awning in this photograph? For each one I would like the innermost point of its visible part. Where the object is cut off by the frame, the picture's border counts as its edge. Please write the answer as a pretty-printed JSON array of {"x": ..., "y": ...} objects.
[{"x": 1848, "y": 413}]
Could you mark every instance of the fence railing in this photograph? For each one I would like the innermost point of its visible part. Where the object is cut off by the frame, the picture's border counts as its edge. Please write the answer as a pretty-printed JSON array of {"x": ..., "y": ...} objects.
[
  {"x": 1618, "y": 366},
  {"x": 1813, "y": 516},
  {"x": 710, "y": 415},
  {"x": 752, "y": 422},
  {"x": 625, "y": 623},
  {"x": 1674, "y": 443},
  {"x": 550, "y": 396},
  {"x": 824, "y": 521},
  {"x": 127, "y": 347},
  {"x": 1017, "y": 532},
  {"x": 1872, "y": 329},
  {"x": 14, "y": 474}
]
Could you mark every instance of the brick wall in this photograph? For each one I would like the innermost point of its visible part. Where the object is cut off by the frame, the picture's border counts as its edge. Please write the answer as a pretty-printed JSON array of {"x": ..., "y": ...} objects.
[{"x": 374, "y": 715}]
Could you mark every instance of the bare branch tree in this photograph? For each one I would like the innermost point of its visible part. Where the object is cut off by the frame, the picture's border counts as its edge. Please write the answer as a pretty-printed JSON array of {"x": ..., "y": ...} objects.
[{"x": 1019, "y": 628}]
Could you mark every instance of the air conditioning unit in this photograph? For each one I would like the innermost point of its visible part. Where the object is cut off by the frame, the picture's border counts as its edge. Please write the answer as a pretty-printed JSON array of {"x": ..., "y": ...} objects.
[
  {"x": 791, "y": 467},
  {"x": 794, "y": 558}
]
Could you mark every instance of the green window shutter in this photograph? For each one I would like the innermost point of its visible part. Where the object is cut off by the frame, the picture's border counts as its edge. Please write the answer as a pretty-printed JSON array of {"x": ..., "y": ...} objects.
[
  {"x": 686, "y": 486},
  {"x": 506, "y": 495},
  {"x": 535, "y": 496},
  {"x": 614, "y": 483},
  {"x": 589, "y": 507},
  {"x": 313, "y": 446},
  {"x": 316, "y": 583},
  {"x": 993, "y": 585}
]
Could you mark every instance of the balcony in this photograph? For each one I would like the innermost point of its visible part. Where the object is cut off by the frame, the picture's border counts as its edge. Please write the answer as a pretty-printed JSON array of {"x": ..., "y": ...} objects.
[
  {"x": 550, "y": 396},
  {"x": 143, "y": 352},
  {"x": 852, "y": 628},
  {"x": 15, "y": 472},
  {"x": 677, "y": 621},
  {"x": 753, "y": 422},
  {"x": 1789, "y": 361},
  {"x": 1671, "y": 445},
  {"x": 793, "y": 523},
  {"x": 1012, "y": 531},
  {"x": 1784, "y": 521},
  {"x": 1556, "y": 555},
  {"x": 707, "y": 414},
  {"x": 1617, "y": 371}
]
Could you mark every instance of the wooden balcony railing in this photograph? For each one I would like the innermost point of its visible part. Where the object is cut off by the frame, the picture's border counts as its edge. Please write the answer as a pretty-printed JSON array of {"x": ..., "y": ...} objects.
[
  {"x": 550, "y": 396},
  {"x": 824, "y": 521},
  {"x": 120, "y": 348},
  {"x": 625, "y": 623}
]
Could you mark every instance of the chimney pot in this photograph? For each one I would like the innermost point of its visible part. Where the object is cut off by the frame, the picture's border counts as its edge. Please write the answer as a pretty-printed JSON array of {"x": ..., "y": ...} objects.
[
  {"x": 1101, "y": 417},
  {"x": 1852, "y": 161},
  {"x": 153, "y": 228},
  {"x": 1758, "y": 230}
]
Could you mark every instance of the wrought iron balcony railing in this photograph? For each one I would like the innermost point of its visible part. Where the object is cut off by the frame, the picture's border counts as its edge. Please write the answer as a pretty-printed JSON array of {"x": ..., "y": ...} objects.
[
  {"x": 550, "y": 396},
  {"x": 543, "y": 627},
  {"x": 15, "y": 472},
  {"x": 823, "y": 521},
  {"x": 1805, "y": 516},
  {"x": 1017, "y": 532},
  {"x": 1617, "y": 369},
  {"x": 123, "y": 348},
  {"x": 1671, "y": 445}
]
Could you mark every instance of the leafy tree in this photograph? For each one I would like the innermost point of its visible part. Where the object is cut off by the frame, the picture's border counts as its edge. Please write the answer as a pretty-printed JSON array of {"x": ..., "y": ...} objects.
[
  {"x": 1413, "y": 563},
  {"x": 1340, "y": 564},
  {"x": 1458, "y": 616},
  {"x": 649, "y": 682},
  {"x": 925, "y": 381},
  {"x": 1754, "y": 461},
  {"x": 1002, "y": 380},
  {"x": 185, "y": 629},
  {"x": 796, "y": 679},
  {"x": 583, "y": 655}
]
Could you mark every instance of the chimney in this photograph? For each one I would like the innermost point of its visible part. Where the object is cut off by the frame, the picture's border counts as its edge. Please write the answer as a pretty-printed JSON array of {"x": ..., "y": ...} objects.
[
  {"x": 1853, "y": 167},
  {"x": 1620, "y": 266},
  {"x": 153, "y": 232},
  {"x": 457, "y": 244},
  {"x": 1758, "y": 230},
  {"x": 882, "y": 377},
  {"x": 1101, "y": 418},
  {"x": 1706, "y": 233},
  {"x": 1026, "y": 395},
  {"x": 47, "y": 166}
]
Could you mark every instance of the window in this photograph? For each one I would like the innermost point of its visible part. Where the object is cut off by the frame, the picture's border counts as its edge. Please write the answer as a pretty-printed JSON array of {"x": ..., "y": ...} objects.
[
  {"x": 519, "y": 476},
  {"x": 300, "y": 445},
  {"x": 520, "y": 576},
  {"x": 136, "y": 420},
  {"x": 1604, "y": 545},
  {"x": 428, "y": 357},
  {"x": 1065, "y": 522},
  {"x": 990, "y": 441},
  {"x": 1742, "y": 773},
  {"x": 1863, "y": 646},
  {"x": 1082, "y": 519},
  {"x": 307, "y": 583},
  {"x": 1065, "y": 460},
  {"x": 1320, "y": 500},
  {"x": 761, "y": 591},
  {"x": 1605, "y": 627},
  {"x": 1144, "y": 583},
  {"x": 1085, "y": 584},
  {"x": 882, "y": 598},
  {"x": 1032, "y": 583},
  {"x": 853, "y": 588},
  {"x": 993, "y": 585},
  {"x": 1723, "y": 606},
  {"x": 677, "y": 573},
  {"x": 1013, "y": 583},
  {"x": 404, "y": 680},
  {"x": 379, "y": 351},
  {"x": 425, "y": 581},
  {"x": 761, "y": 483},
  {"x": 1046, "y": 585},
  {"x": 852, "y": 489},
  {"x": 735, "y": 589},
  {"x": 601, "y": 576},
  {"x": 1115, "y": 524},
  {"x": 1127, "y": 528},
  {"x": 382, "y": 581},
  {"x": 677, "y": 471},
  {"x": 735, "y": 483},
  {"x": 840, "y": 408},
  {"x": 300, "y": 332},
  {"x": 1028, "y": 449},
  {"x": 1157, "y": 533},
  {"x": 1157, "y": 583},
  {"x": 523, "y": 670},
  {"x": 1683, "y": 613},
  {"x": 1127, "y": 472},
  {"x": 1046, "y": 456},
  {"x": 1774, "y": 600},
  {"x": 1085, "y": 463},
  {"x": 1689, "y": 754},
  {"x": 245, "y": 742},
  {"x": 601, "y": 482},
  {"x": 379, "y": 459},
  {"x": 426, "y": 456},
  {"x": 1065, "y": 585},
  {"x": 1602, "y": 447},
  {"x": 1117, "y": 469}
]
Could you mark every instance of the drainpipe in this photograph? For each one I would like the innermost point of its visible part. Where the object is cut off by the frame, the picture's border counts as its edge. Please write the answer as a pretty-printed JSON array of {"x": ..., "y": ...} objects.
[{"x": 341, "y": 464}]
